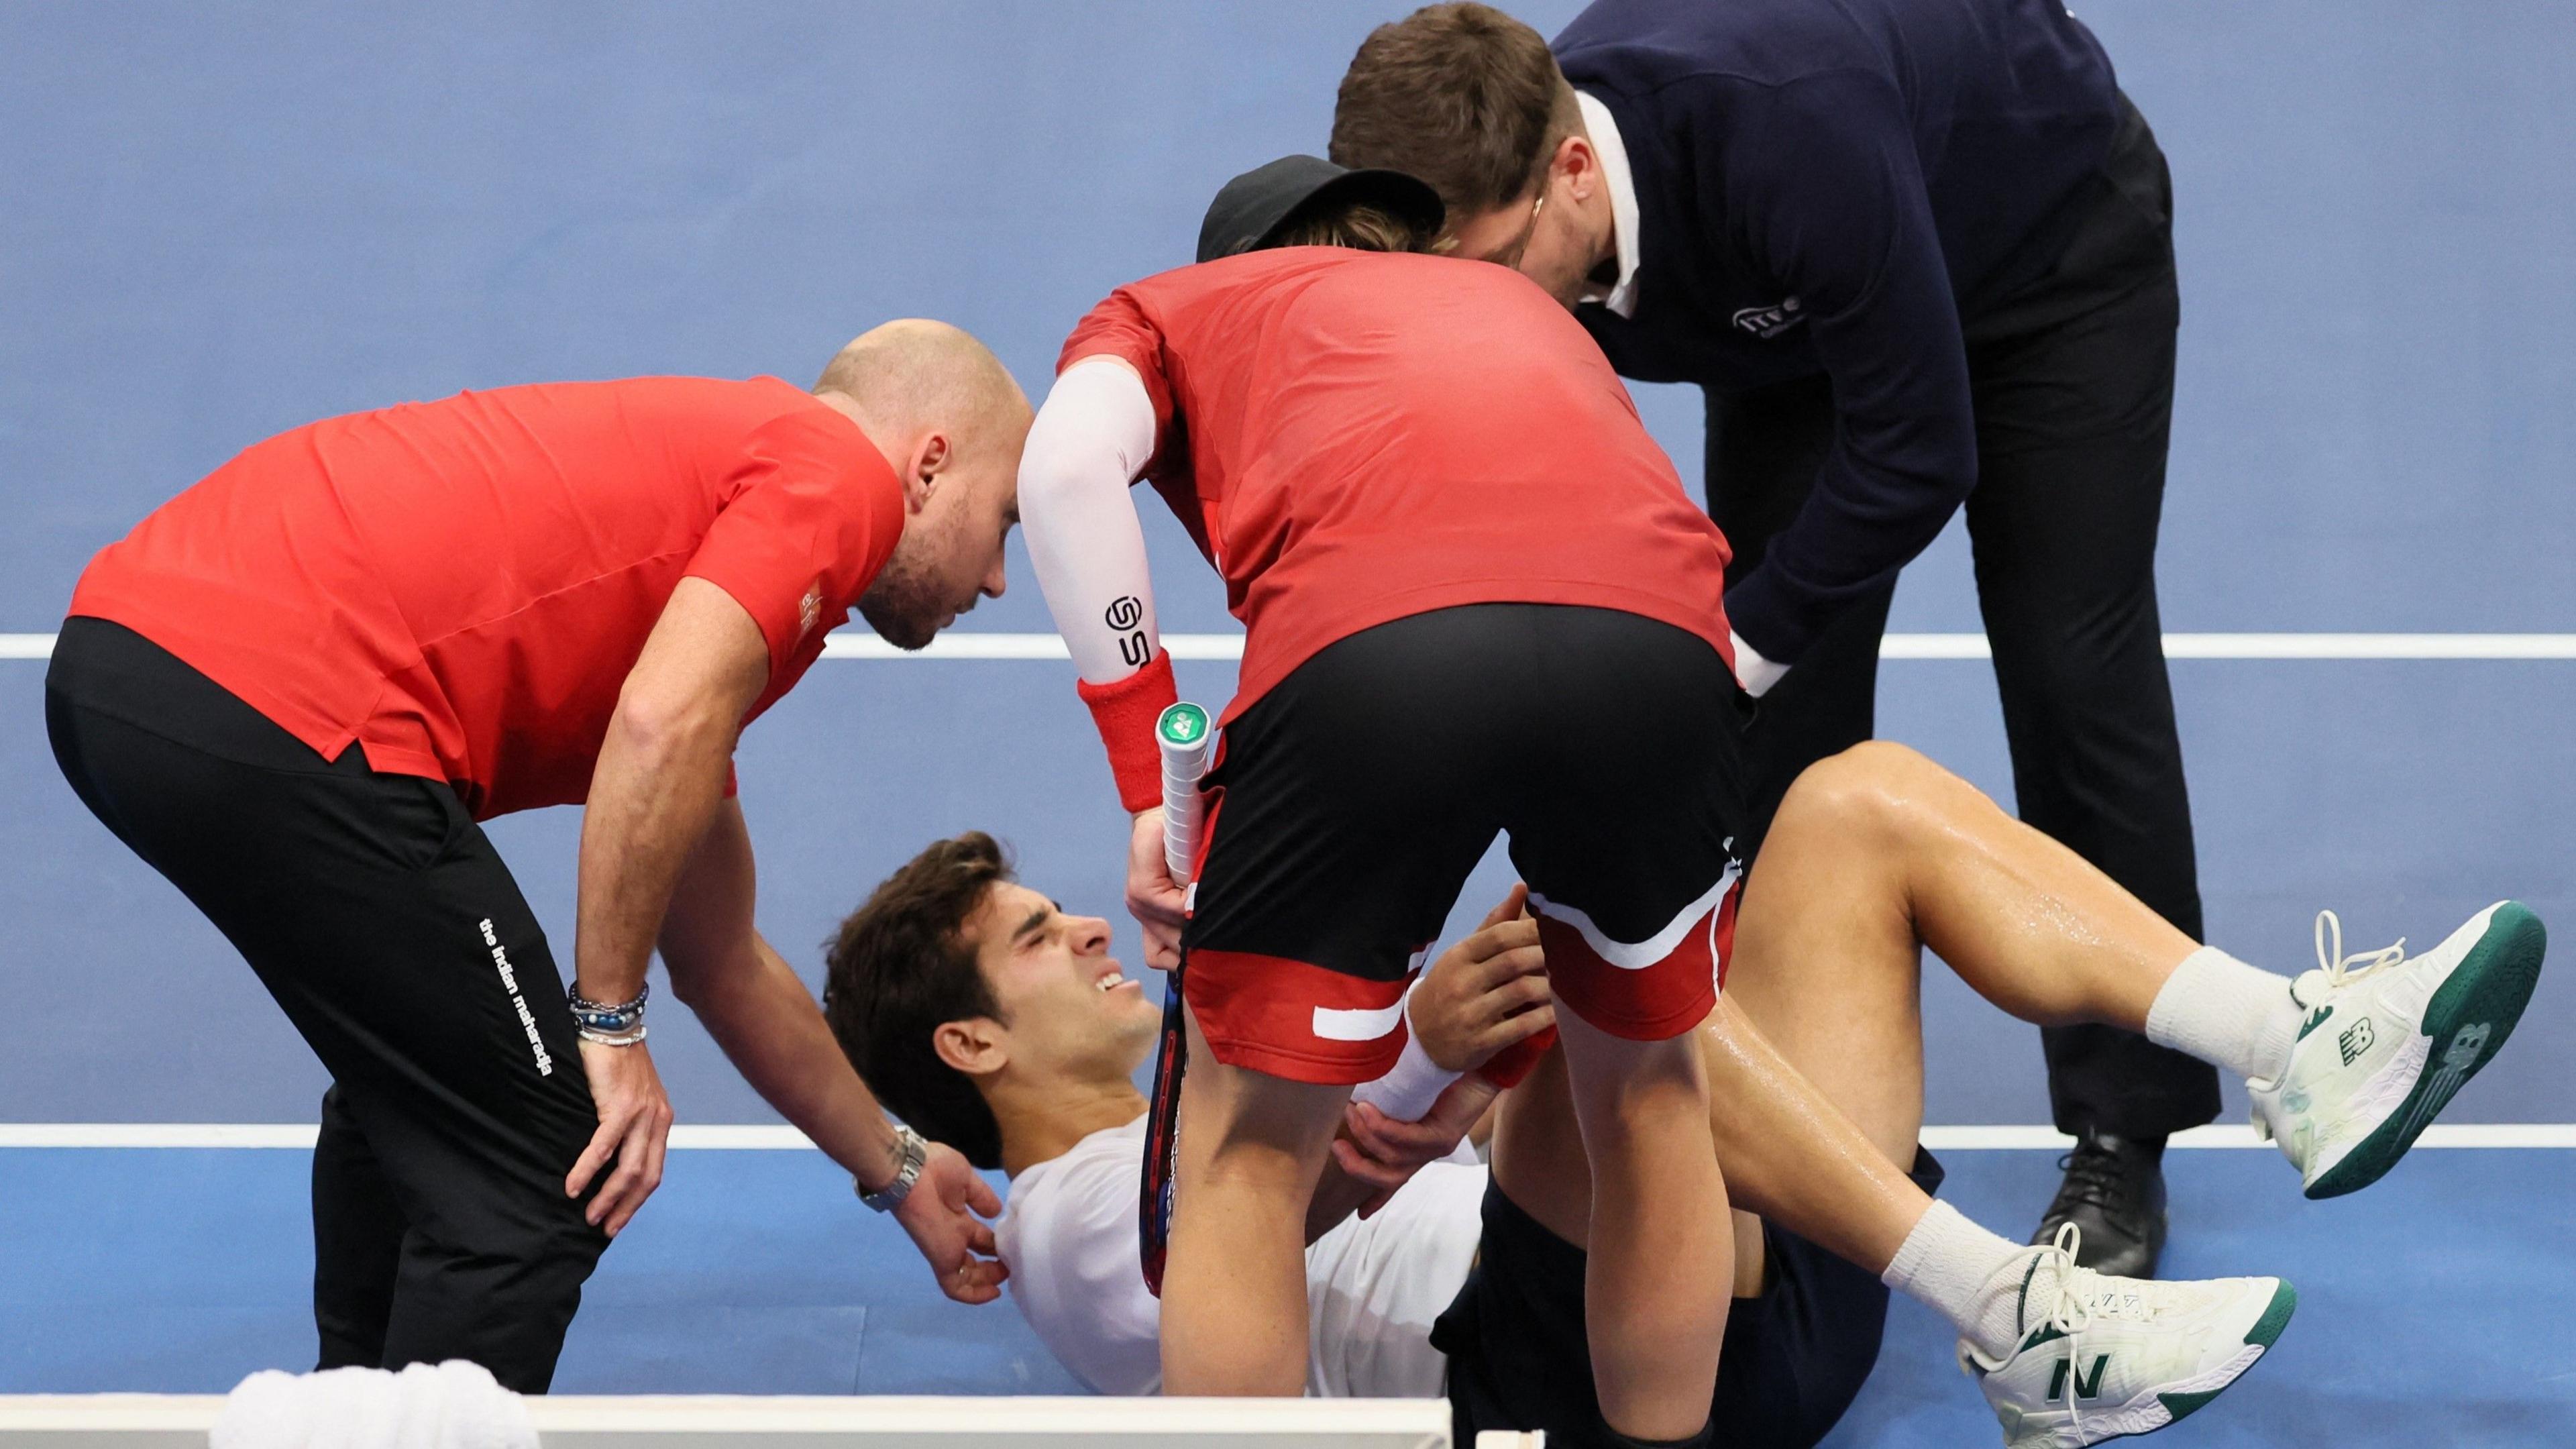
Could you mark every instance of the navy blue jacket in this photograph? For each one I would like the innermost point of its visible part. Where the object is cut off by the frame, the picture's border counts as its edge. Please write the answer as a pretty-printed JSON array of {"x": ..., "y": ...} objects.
[{"x": 1832, "y": 185}]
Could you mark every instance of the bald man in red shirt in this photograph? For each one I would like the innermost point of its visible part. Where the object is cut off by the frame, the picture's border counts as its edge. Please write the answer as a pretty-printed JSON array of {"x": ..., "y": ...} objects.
[{"x": 297, "y": 688}]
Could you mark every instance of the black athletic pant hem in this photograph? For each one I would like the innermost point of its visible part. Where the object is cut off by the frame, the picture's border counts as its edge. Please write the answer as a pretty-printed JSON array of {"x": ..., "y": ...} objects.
[{"x": 378, "y": 915}]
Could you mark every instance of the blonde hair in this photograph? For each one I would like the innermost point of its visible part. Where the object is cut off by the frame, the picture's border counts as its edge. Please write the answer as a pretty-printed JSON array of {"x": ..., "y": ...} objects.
[{"x": 1360, "y": 227}]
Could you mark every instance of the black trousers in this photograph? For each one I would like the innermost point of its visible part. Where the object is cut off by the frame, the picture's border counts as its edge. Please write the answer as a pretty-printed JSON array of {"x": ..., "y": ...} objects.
[
  {"x": 2073, "y": 386},
  {"x": 379, "y": 916}
]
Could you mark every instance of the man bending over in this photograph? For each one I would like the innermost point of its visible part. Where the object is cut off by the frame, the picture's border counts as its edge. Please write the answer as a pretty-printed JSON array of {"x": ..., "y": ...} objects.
[
  {"x": 296, "y": 689},
  {"x": 984, "y": 1014}
]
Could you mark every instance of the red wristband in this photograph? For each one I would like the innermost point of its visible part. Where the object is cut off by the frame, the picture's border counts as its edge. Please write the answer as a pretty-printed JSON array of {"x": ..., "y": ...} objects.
[{"x": 1126, "y": 710}]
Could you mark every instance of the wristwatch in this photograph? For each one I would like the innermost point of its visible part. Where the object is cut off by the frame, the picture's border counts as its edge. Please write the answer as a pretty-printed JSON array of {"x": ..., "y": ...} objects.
[{"x": 914, "y": 1152}]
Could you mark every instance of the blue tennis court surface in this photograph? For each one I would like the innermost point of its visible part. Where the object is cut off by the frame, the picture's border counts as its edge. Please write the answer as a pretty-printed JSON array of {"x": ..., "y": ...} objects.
[
  {"x": 224, "y": 222},
  {"x": 754, "y": 1272}
]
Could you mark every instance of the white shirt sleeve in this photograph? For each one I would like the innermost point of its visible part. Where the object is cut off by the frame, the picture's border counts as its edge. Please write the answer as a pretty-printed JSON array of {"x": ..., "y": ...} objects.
[
  {"x": 1093, "y": 436},
  {"x": 1754, "y": 672}
]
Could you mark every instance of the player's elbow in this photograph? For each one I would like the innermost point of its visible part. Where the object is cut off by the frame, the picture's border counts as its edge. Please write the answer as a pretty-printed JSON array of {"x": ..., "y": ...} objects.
[
  {"x": 698, "y": 980},
  {"x": 689, "y": 983},
  {"x": 1054, "y": 479},
  {"x": 1079, "y": 449},
  {"x": 663, "y": 724}
]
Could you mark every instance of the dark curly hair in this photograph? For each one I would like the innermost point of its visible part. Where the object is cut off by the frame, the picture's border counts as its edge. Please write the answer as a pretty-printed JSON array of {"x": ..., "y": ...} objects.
[{"x": 898, "y": 968}]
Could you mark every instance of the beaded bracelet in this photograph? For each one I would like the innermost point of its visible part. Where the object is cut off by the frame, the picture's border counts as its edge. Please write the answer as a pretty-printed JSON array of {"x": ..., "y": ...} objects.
[{"x": 619, "y": 1025}]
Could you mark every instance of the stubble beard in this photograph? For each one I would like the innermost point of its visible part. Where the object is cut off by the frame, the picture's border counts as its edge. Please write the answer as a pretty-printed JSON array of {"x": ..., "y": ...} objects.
[{"x": 903, "y": 605}]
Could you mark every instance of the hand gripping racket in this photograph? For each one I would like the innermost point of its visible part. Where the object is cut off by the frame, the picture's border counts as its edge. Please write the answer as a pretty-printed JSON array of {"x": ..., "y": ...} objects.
[{"x": 1184, "y": 737}]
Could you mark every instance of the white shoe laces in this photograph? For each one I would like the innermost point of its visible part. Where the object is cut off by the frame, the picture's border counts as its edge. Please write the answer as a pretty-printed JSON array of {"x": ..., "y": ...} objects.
[
  {"x": 2072, "y": 1313},
  {"x": 2339, "y": 967},
  {"x": 2077, "y": 1301}
]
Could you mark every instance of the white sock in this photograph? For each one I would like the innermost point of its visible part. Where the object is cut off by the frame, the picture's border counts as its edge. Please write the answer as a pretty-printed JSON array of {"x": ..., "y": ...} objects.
[
  {"x": 2226, "y": 1013},
  {"x": 1957, "y": 1269}
]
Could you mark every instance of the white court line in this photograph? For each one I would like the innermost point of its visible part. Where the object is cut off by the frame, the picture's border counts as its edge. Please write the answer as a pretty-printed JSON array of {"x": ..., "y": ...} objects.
[
  {"x": 756, "y": 1138},
  {"x": 859, "y": 644},
  {"x": 301, "y": 1135},
  {"x": 576, "y": 1421}
]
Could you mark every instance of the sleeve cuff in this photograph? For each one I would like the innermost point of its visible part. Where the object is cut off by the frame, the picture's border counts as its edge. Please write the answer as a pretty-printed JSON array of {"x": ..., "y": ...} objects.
[
  {"x": 1752, "y": 671},
  {"x": 1125, "y": 711}
]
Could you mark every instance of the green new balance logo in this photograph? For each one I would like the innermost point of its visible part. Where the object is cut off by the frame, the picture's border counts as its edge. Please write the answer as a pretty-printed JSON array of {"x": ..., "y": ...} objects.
[
  {"x": 2086, "y": 1386},
  {"x": 2356, "y": 1039},
  {"x": 2316, "y": 1018}
]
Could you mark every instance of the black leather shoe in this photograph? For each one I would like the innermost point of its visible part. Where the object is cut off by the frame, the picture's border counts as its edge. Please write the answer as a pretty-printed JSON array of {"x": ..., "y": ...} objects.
[{"x": 2115, "y": 1193}]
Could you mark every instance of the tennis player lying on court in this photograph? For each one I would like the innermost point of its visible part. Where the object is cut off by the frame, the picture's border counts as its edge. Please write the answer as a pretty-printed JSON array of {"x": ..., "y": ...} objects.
[{"x": 986, "y": 1016}]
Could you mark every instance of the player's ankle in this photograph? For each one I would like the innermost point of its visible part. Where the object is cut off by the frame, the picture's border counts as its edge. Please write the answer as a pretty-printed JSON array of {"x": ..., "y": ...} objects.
[
  {"x": 1957, "y": 1269},
  {"x": 2226, "y": 1013}
]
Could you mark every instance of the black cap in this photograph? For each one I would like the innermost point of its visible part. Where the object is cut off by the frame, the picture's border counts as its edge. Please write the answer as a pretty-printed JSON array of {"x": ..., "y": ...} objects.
[{"x": 1254, "y": 207}]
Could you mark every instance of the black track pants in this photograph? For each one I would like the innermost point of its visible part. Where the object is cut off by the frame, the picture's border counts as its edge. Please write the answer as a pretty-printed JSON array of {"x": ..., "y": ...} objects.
[
  {"x": 2074, "y": 404},
  {"x": 378, "y": 915}
]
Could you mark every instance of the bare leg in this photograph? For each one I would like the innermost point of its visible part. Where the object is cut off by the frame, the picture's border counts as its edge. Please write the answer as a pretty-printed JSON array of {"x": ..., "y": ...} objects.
[
  {"x": 2024, "y": 921},
  {"x": 1654, "y": 1289},
  {"x": 1815, "y": 1053},
  {"x": 1831, "y": 1171},
  {"x": 1789, "y": 1153},
  {"x": 1234, "y": 1283},
  {"x": 1814, "y": 1056}
]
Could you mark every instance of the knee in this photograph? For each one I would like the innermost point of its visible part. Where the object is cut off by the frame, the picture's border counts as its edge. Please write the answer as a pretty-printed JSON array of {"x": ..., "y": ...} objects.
[
  {"x": 1243, "y": 1126},
  {"x": 1617, "y": 1079},
  {"x": 1861, "y": 794}
]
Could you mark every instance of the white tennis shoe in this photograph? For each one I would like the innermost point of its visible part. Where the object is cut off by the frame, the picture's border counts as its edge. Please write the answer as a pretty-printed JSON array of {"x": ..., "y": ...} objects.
[
  {"x": 2102, "y": 1358},
  {"x": 2385, "y": 1042}
]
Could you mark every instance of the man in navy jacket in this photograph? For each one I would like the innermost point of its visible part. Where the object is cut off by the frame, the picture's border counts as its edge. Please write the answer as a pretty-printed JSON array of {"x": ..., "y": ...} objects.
[{"x": 1918, "y": 253}]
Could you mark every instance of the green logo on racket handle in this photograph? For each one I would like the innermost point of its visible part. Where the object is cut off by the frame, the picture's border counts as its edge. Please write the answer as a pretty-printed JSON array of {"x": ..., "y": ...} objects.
[{"x": 1183, "y": 725}]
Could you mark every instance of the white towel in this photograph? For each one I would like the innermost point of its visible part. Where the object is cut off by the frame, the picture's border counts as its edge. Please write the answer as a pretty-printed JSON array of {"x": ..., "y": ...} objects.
[{"x": 455, "y": 1405}]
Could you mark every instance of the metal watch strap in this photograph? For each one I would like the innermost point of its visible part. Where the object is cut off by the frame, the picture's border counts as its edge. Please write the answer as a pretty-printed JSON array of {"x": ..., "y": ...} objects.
[{"x": 915, "y": 1152}]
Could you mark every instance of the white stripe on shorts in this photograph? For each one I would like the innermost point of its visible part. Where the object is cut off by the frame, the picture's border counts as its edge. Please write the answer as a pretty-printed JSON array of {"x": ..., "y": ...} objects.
[
  {"x": 1338, "y": 1024},
  {"x": 1642, "y": 954}
]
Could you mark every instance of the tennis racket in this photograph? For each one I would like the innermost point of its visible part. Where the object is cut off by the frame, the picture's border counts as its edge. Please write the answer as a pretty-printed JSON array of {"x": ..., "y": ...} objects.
[{"x": 1184, "y": 737}]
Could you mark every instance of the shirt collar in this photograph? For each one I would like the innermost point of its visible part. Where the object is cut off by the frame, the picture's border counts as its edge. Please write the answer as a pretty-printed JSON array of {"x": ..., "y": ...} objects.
[{"x": 1621, "y": 295}]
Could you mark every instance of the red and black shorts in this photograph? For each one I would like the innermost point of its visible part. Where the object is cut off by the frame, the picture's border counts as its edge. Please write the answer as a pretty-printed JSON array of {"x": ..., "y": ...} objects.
[{"x": 1350, "y": 803}]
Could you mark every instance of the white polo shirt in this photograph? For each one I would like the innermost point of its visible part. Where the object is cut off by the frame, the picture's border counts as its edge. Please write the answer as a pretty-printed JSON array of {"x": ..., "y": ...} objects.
[{"x": 1372, "y": 1287}]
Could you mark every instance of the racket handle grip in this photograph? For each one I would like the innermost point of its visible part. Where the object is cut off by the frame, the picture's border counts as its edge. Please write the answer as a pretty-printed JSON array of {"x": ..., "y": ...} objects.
[{"x": 1184, "y": 737}]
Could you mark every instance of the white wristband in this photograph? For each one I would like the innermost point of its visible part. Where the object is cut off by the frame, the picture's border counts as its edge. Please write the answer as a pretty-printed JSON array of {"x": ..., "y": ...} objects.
[
  {"x": 1413, "y": 1086},
  {"x": 1754, "y": 672}
]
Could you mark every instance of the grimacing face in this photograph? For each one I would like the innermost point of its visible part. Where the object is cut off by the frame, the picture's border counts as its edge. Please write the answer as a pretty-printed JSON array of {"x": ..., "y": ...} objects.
[{"x": 1070, "y": 1008}]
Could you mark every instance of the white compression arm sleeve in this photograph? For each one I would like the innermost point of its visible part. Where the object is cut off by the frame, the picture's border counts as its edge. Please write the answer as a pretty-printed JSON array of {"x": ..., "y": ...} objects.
[{"x": 1086, "y": 447}]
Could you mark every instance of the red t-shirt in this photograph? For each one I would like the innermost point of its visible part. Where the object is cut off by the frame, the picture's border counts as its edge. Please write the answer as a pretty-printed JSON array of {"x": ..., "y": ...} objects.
[
  {"x": 461, "y": 586},
  {"x": 1354, "y": 437}
]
